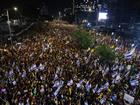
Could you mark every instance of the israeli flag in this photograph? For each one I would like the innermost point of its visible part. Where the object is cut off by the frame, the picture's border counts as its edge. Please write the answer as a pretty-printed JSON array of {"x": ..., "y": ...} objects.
[
  {"x": 79, "y": 84},
  {"x": 58, "y": 83},
  {"x": 134, "y": 82},
  {"x": 57, "y": 91},
  {"x": 70, "y": 82},
  {"x": 86, "y": 103},
  {"x": 95, "y": 89},
  {"x": 58, "y": 88},
  {"x": 32, "y": 67},
  {"x": 88, "y": 86},
  {"x": 100, "y": 89},
  {"x": 41, "y": 67},
  {"x": 129, "y": 54},
  {"x": 138, "y": 75},
  {"x": 106, "y": 86}
]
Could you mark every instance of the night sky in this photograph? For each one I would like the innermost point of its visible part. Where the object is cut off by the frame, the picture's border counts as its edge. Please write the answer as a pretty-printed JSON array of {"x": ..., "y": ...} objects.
[
  {"x": 53, "y": 5},
  {"x": 29, "y": 6}
]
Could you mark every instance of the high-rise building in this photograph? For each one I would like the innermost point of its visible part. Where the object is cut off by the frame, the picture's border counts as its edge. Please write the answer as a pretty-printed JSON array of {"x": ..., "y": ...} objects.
[{"x": 89, "y": 9}]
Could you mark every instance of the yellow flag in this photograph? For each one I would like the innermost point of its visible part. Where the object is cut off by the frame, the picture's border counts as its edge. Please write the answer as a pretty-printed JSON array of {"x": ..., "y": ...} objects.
[
  {"x": 112, "y": 46},
  {"x": 70, "y": 91},
  {"x": 109, "y": 91},
  {"x": 92, "y": 50},
  {"x": 100, "y": 96}
]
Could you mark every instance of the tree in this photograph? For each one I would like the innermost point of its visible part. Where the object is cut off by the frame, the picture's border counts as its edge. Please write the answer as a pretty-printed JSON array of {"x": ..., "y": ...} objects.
[
  {"x": 83, "y": 38},
  {"x": 106, "y": 53}
]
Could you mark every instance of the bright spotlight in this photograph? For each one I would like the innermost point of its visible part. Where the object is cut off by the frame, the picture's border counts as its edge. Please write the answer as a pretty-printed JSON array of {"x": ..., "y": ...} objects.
[{"x": 102, "y": 16}]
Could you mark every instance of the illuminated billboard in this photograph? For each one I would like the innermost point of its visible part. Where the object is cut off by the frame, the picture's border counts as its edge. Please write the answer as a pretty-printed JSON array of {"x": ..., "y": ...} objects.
[{"x": 102, "y": 16}]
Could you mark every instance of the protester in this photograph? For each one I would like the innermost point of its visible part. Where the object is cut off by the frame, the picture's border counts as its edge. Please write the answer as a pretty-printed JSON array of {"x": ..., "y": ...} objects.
[{"x": 49, "y": 69}]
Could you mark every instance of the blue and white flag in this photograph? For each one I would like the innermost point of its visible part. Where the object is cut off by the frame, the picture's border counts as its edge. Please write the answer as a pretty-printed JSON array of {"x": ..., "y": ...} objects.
[
  {"x": 79, "y": 84},
  {"x": 58, "y": 88},
  {"x": 100, "y": 89},
  {"x": 41, "y": 67},
  {"x": 129, "y": 98},
  {"x": 102, "y": 100},
  {"x": 70, "y": 82},
  {"x": 138, "y": 75},
  {"x": 85, "y": 103},
  {"x": 134, "y": 82},
  {"x": 88, "y": 86},
  {"x": 57, "y": 91},
  {"x": 106, "y": 85},
  {"x": 57, "y": 83},
  {"x": 129, "y": 54},
  {"x": 32, "y": 67},
  {"x": 23, "y": 74},
  {"x": 95, "y": 89}
]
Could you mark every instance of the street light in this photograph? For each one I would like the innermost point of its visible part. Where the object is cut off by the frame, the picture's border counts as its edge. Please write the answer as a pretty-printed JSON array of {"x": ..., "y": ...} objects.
[
  {"x": 9, "y": 22},
  {"x": 15, "y": 8}
]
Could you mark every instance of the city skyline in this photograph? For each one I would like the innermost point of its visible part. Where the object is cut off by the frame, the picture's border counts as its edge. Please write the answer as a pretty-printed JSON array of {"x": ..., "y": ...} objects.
[{"x": 31, "y": 6}]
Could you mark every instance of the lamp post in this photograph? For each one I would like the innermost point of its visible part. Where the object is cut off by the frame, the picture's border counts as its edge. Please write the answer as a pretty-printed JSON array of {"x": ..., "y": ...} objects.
[
  {"x": 9, "y": 26},
  {"x": 9, "y": 23},
  {"x": 73, "y": 8},
  {"x": 16, "y": 10}
]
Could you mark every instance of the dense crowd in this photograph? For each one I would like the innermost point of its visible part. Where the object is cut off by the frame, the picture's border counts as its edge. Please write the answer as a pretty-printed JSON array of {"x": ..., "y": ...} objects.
[{"x": 50, "y": 69}]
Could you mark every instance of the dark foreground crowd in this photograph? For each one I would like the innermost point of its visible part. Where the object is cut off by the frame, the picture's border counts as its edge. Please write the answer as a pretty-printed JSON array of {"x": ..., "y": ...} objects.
[{"x": 50, "y": 69}]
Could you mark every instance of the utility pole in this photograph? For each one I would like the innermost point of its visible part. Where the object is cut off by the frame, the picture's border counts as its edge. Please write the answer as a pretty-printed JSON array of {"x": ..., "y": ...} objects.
[
  {"x": 59, "y": 15},
  {"x": 9, "y": 26},
  {"x": 73, "y": 7}
]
